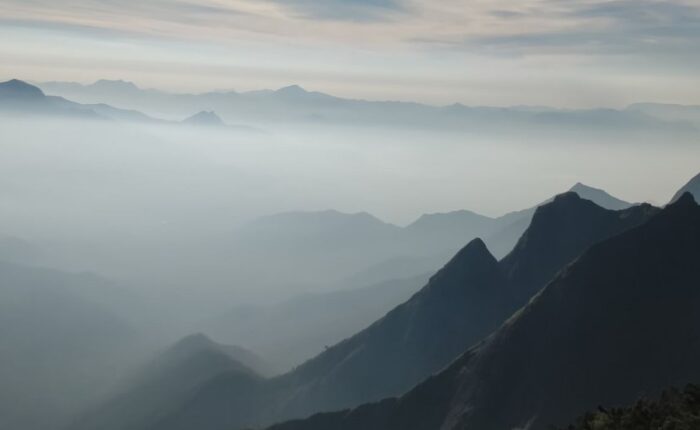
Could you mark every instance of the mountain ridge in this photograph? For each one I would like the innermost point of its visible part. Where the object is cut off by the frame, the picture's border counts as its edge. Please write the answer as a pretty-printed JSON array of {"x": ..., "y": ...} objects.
[
  {"x": 460, "y": 304},
  {"x": 293, "y": 104},
  {"x": 593, "y": 354}
]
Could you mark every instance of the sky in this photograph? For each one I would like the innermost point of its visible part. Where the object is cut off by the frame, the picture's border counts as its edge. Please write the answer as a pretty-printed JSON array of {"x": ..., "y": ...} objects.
[{"x": 566, "y": 53}]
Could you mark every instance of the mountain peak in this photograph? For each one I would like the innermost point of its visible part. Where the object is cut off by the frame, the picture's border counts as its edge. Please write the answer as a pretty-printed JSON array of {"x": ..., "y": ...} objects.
[
  {"x": 115, "y": 84},
  {"x": 292, "y": 89},
  {"x": 684, "y": 201},
  {"x": 204, "y": 118},
  {"x": 473, "y": 259},
  {"x": 567, "y": 197},
  {"x": 599, "y": 196},
  {"x": 19, "y": 89}
]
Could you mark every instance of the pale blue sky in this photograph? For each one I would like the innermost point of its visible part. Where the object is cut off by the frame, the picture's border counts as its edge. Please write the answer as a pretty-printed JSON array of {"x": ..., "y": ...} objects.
[{"x": 493, "y": 52}]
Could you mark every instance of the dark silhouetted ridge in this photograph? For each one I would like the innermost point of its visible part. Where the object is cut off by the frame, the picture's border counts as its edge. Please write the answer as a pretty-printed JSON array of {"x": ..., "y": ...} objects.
[
  {"x": 600, "y": 197},
  {"x": 621, "y": 321}
]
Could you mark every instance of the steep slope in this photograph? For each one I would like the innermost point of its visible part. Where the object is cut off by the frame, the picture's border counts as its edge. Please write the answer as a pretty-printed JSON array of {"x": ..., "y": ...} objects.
[
  {"x": 168, "y": 380},
  {"x": 463, "y": 302},
  {"x": 600, "y": 197},
  {"x": 619, "y": 322},
  {"x": 692, "y": 187},
  {"x": 57, "y": 347},
  {"x": 512, "y": 225}
]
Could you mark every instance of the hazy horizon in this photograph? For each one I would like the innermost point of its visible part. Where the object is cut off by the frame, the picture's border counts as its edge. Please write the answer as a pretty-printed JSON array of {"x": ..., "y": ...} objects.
[
  {"x": 584, "y": 53},
  {"x": 349, "y": 96}
]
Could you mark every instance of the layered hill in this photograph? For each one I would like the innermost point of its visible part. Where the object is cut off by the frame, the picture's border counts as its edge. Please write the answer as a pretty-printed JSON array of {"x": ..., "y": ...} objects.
[
  {"x": 619, "y": 322},
  {"x": 171, "y": 378},
  {"x": 359, "y": 249},
  {"x": 461, "y": 304}
]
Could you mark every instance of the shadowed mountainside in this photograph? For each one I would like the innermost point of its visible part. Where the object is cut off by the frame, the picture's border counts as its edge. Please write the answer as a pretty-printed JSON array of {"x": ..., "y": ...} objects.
[{"x": 584, "y": 340}]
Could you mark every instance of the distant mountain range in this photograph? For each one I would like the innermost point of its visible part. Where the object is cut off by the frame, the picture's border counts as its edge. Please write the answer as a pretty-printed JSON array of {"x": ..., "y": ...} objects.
[
  {"x": 328, "y": 246},
  {"x": 672, "y": 112},
  {"x": 463, "y": 302},
  {"x": 294, "y": 104},
  {"x": 169, "y": 379},
  {"x": 20, "y": 98},
  {"x": 600, "y": 332}
]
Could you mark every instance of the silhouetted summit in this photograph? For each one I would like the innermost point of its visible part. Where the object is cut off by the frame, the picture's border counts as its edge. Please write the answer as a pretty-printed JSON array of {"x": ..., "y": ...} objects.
[
  {"x": 600, "y": 197},
  {"x": 619, "y": 322}
]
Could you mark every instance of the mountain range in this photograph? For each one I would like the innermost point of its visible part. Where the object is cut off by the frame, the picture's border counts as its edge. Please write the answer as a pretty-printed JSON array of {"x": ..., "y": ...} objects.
[
  {"x": 618, "y": 322},
  {"x": 359, "y": 249},
  {"x": 20, "y": 98},
  {"x": 294, "y": 104},
  {"x": 459, "y": 305}
]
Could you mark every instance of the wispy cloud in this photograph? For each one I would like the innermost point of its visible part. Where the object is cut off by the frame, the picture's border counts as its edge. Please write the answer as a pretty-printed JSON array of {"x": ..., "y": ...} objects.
[
  {"x": 344, "y": 10},
  {"x": 647, "y": 42}
]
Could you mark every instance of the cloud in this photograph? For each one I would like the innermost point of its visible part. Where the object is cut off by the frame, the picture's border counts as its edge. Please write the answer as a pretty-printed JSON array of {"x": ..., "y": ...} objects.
[
  {"x": 344, "y": 10},
  {"x": 586, "y": 27}
]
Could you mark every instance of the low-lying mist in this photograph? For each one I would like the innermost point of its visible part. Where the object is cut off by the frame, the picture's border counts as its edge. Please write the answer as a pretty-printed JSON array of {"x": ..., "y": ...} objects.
[{"x": 160, "y": 207}]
